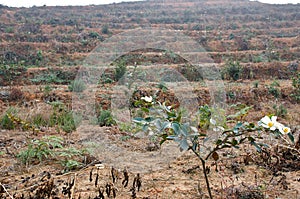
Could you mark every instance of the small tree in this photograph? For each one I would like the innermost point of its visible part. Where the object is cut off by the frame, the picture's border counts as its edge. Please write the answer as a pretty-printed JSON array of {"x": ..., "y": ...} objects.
[{"x": 168, "y": 124}]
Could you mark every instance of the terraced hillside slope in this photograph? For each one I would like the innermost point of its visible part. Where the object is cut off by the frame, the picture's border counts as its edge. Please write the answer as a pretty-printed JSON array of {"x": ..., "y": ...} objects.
[{"x": 44, "y": 50}]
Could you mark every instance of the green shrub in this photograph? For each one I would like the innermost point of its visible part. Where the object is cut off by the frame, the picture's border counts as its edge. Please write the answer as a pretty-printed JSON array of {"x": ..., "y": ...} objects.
[
  {"x": 204, "y": 116},
  {"x": 94, "y": 35},
  {"x": 232, "y": 71},
  {"x": 77, "y": 86},
  {"x": 273, "y": 89},
  {"x": 39, "y": 120},
  {"x": 9, "y": 73},
  {"x": 105, "y": 29},
  {"x": 280, "y": 110},
  {"x": 39, "y": 150},
  {"x": 6, "y": 122},
  {"x": 47, "y": 89},
  {"x": 64, "y": 118},
  {"x": 51, "y": 147},
  {"x": 106, "y": 119},
  {"x": 296, "y": 85},
  {"x": 120, "y": 70}
]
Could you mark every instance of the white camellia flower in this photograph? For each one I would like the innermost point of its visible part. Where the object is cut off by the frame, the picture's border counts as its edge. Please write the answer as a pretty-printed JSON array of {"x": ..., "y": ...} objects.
[
  {"x": 269, "y": 123},
  {"x": 147, "y": 99},
  {"x": 283, "y": 129},
  {"x": 272, "y": 124}
]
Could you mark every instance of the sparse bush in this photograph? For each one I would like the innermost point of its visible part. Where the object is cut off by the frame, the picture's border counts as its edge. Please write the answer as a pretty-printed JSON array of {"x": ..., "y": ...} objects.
[
  {"x": 204, "y": 116},
  {"x": 232, "y": 70},
  {"x": 120, "y": 70},
  {"x": 104, "y": 29},
  {"x": 39, "y": 120},
  {"x": 106, "y": 119},
  {"x": 63, "y": 118},
  {"x": 168, "y": 124},
  {"x": 6, "y": 122},
  {"x": 94, "y": 35},
  {"x": 273, "y": 89},
  {"x": 296, "y": 85},
  {"x": 40, "y": 149},
  {"x": 51, "y": 147},
  {"x": 280, "y": 110},
  {"x": 77, "y": 86},
  {"x": 8, "y": 73},
  {"x": 47, "y": 90}
]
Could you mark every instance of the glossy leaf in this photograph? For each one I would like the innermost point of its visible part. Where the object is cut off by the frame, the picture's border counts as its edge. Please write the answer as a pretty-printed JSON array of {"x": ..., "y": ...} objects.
[
  {"x": 258, "y": 148},
  {"x": 184, "y": 145},
  {"x": 138, "y": 120},
  {"x": 291, "y": 137},
  {"x": 146, "y": 110},
  {"x": 175, "y": 126}
]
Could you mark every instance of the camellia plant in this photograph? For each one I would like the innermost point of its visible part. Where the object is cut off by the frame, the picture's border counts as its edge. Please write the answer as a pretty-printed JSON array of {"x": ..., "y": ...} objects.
[{"x": 166, "y": 123}]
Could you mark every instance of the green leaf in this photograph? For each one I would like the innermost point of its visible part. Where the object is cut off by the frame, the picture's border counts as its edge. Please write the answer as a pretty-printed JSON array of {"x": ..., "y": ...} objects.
[
  {"x": 149, "y": 119},
  {"x": 145, "y": 109},
  {"x": 238, "y": 125},
  {"x": 234, "y": 142},
  {"x": 219, "y": 142},
  {"x": 158, "y": 124},
  {"x": 175, "y": 126},
  {"x": 165, "y": 125},
  {"x": 291, "y": 137},
  {"x": 251, "y": 139},
  {"x": 164, "y": 138},
  {"x": 138, "y": 120},
  {"x": 184, "y": 145},
  {"x": 251, "y": 126},
  {"x": 258, "y": 148}
]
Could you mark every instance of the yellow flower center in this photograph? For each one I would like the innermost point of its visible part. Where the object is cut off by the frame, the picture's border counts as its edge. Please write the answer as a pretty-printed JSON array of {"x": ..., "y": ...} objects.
[
  {"x": 270, "y": 124},
  {"x": 286, "y": 130}
]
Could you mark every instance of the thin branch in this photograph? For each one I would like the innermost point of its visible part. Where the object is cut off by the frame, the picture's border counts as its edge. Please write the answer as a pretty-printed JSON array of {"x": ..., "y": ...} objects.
[
  {"x": 6, "y": 191},
  {"x": 73, "y": 188}
]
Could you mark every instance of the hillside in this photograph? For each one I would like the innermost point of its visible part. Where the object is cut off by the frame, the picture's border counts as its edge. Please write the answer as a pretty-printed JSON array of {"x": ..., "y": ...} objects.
[{"x": 101, "y": 59}]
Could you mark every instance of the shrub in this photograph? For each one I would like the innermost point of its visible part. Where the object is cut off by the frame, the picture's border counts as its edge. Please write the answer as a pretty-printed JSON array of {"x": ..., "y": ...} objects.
[
  {"x": 47, "y": 90},
  {"x": 280, "y": 110},
  {"x": 296, "y": 85},
  {"x": 94, "y": 35},
  {"x": 64, "y": 118},
  {"x": 6, "y": 122},
  {"x": 274, "y": 90},
  {"x": 106, "y": 119},
  {"x": 120, "y": 70},
  {"x": 232, "y": 70},
  {"x": 51, "y": 147},
  {"x": 39, "y": 120},
  {"x": 8, "y": 73},
  {"x": 40, "y": 149},
  {"x": 77, "y": 86},
  {"x": 104, "y": 29}
]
